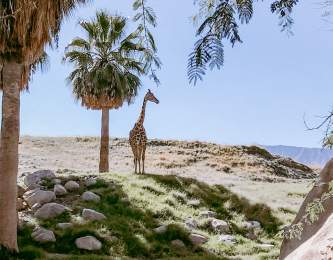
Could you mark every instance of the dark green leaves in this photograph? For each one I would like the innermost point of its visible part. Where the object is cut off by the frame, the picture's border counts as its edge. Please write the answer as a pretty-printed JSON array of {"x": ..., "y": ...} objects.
[
  {"x": 146, "y": 17},
  {"x": 219, "y": 23}
]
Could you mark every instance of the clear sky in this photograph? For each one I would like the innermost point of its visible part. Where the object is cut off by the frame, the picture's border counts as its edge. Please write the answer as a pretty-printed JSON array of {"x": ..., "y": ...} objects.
[{"x": 260, "y": 96}]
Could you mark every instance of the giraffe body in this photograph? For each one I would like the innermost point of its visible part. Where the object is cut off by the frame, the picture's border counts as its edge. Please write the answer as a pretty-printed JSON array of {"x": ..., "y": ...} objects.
[{"x": 138, "y": 137}]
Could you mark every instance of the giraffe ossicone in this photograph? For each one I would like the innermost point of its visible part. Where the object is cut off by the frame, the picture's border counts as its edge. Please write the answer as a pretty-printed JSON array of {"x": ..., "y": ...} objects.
[{"x": 138, "y": 137}]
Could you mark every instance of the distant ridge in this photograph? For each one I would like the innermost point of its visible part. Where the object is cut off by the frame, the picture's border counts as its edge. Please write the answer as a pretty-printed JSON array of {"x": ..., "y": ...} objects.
[{"x": 308, "y": 156}]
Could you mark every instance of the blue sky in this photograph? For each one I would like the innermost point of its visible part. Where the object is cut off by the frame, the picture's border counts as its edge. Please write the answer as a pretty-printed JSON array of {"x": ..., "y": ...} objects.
[{"x": 260, "y": 96}]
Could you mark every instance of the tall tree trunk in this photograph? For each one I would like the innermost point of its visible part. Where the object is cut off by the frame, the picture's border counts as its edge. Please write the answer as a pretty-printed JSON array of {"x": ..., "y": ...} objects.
[
  {"x": 104, "y": 150},
  {"x": 10, "y": 125}
]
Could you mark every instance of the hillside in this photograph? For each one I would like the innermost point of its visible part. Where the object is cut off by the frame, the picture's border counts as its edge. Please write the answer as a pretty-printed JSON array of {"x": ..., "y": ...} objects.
[
  {"x": 309, "y": 156},
  {"x": 140, "y": 217}
]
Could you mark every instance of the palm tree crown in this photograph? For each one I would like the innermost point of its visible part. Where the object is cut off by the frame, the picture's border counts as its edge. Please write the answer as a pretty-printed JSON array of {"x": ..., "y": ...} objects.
[{"x": 107, "y": 64}]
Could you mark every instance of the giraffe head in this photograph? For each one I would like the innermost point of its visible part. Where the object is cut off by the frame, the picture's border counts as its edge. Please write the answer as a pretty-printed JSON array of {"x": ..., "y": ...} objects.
[{"x": 150, "y": 97}]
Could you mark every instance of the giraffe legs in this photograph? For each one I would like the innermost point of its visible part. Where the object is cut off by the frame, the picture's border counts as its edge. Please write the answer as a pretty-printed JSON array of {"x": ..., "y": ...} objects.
[{"x": 143, "y": 158}]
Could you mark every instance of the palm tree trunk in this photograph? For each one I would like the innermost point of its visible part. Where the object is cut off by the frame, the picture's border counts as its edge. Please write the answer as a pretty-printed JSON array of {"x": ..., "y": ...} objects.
[
  {"x": 10, "y": 125},
  {"x": 104, "y": 150}
]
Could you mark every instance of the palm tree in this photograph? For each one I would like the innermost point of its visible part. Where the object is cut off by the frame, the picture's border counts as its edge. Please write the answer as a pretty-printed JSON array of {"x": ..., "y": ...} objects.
[
  {"x": 26, "y": 26},
  {"x": 107, "y": 66}
]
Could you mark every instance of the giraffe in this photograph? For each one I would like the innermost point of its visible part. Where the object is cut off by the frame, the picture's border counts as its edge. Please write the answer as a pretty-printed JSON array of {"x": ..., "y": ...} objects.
[{"x": 138, "y": 137}]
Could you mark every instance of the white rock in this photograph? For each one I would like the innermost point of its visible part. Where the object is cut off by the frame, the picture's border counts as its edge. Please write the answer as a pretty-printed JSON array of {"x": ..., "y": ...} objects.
[
  {"x": 64, "y": 225},
  {"x": 43, "y": 235},
  {"x": 50, "y": 210},
  {"x": 208, "y": 214},
  {"x": 90, "y": 196},
  {"x": 252, "y": 225},
  {"x": 178, "y": 243},
  {"x": 266, "y": 246},
  {"x": 72, "y": 186},
  {"x": 38, "y": 196},
  {"x": 194, "y": 203},
  {"x": 88, "y": 243},
  {"x": 90, "y": 182},
  {"x": 219, "y": 226},
  {"x": 34, "y": 178},
  {"x": 191, "y": 223},
  {"x": 227, "y": 239},
  {"x": 90, "y": 214},
  {"x": 59, "y": 190},
  {"x": 197, "y": 239},
  {"x": 161, "y": 229}
]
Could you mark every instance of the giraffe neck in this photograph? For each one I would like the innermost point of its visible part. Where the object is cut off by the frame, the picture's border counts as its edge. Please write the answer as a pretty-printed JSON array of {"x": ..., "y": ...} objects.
[{"x": 143, "y": 112}]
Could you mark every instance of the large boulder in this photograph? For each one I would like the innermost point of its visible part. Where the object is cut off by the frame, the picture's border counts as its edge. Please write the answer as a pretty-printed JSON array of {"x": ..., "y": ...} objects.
[
  {"x": 38, "y": 196},
  {"x": 227, "y": 239},
  {"x": 43, "y": 235},
  {"x": 90, "y": 196},
  {"x": 35, "y": 177},
  {"x": 88, "y": 243},
  {"x": 93, "y": 215},
  {"x": 314, "y": 237},
  {"x": 50, "y": 210}
]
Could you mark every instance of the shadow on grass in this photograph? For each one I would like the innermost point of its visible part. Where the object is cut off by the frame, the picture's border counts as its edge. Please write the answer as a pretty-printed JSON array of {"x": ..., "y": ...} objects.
[
  {"x": 216, "y": 197},
  {"x": 127, "y": 231}
]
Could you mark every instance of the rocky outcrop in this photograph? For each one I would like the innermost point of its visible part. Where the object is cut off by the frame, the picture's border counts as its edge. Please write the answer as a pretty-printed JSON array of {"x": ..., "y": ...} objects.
[{"x": 317, "y": 233}]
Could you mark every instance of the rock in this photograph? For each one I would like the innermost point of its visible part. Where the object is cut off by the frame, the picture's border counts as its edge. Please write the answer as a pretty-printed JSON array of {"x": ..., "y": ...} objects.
[
  {"x": 64, "y": 225},
  {"x": 43, "y": 235},
  {"x": 208, "y": 214},
  {"x": 191, "y": 223},
  {"x": 56, "y": 181},
  {"x": 72, "y": 186},
  {"x": 219, "y": 226},
  {"x": 50, "y": 210},
  {"x": 20, "y": 191},
  {"x": 20, "y": 205},
  {"x": 90, "y": 196},
  {"x": 194, "y": 203},
  {"x": 38, "y": 196},
  {"x": 197, "y": 239},
  {"x": 125, "y": 200},
  {"x": 34, "y": 178},
  {"x": 59, "y": 190},
  {"x": 88, "y": 243},
  {"x": 90, "y": 182},
  {"x": 161, "y": 229},
  {"x": 177, "y": 243},
  {"x": 90, "y": 214},
  {"x": 227, "y": 239},
  {"x": 252, "y": 225}
]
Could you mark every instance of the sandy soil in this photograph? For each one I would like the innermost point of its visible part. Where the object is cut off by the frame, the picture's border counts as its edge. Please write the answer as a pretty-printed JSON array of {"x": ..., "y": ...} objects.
[{"x": 246, "y": 175}]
